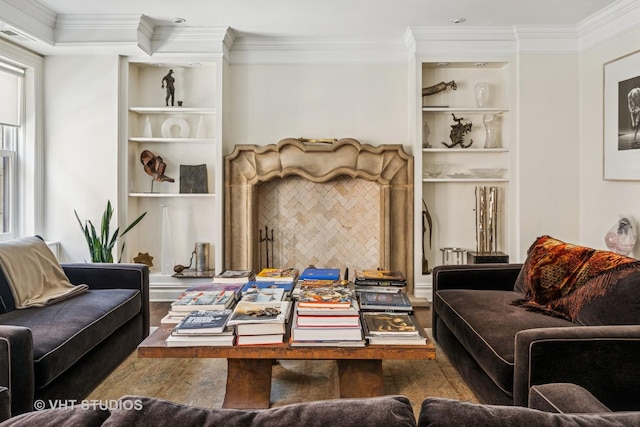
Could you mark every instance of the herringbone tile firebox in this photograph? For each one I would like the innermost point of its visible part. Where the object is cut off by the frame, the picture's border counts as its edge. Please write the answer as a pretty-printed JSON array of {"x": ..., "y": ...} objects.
[{"x": 328, "y": 224}]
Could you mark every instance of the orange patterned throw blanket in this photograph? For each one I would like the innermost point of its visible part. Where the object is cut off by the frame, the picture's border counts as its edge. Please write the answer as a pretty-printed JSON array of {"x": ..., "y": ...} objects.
[{"x": 559, "y": 278}]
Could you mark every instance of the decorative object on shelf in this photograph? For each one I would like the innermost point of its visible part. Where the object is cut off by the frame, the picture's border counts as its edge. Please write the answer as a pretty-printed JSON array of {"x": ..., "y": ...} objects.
[
  {"x": 425, "y": 135},
  {"x": 170, "y": 123},
  {"x": 200, "y": 130},
  {"x": 168, "y": 81},
  {"x": 621, "y": 238},
  {"x": 319, "y": 141},
  {"x": 146, "y": 131},
  {"x": 452, "y": 256},
  {"x": 433, "y": 170},
  {"x": 268, "y": 246},
  {"x": 492, "y": 130},
  {"x": 488, "y": 173},
  {"x": 484, "y": 95},
  {"x": 426, "y": 220},
  {"x": 486, "y": 219},
  {"x": 144, "y": 258},
  {"x": 155, "y": 167},
  {"x": 101, "y": 246},
  {"x": 179, "y": 268},
  {"x": 193, "y": 179},
  {"x": 457, "y": 133},
  {"x": 180, "y": 103},
  {"x": 439, "y": 87},
  {"x": 166, "y": 254},
  {"x": 202, "y": 256}
]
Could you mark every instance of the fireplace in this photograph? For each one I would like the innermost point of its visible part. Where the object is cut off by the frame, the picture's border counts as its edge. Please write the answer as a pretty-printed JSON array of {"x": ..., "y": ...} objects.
[{"x": 383, "y": 172}]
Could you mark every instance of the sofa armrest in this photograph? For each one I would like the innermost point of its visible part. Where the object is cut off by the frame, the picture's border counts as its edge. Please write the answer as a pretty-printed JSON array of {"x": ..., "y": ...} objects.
[
  {"x": 16, "y": 367},
  {"x": 5, "y": 404},
  {"x": 500, "y": 277},
  {"x": 602, "y": 359},
  {"x": 564, "y": 398},
  {"x": 113, "y": 276}
]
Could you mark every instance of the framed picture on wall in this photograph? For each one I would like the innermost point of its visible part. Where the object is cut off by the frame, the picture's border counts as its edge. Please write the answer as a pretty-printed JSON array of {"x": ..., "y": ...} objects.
[{"x": 621, "y": 109}]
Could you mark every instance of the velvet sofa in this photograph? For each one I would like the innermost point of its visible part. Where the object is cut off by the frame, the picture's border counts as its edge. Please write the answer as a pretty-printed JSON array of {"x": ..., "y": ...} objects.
[
  {"x": 568, "y": 314},
  {"x": 549, "y": 405},
  {"x": 62, "y": 351}
]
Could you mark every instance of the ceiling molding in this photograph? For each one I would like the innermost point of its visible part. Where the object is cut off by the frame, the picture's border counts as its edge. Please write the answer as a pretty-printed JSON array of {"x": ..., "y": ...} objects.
[
  {"x": 609, "y": 23},
  {"x": 317, "y": 50},
  {"x": 29, "y": 18},
  {"x": 462, "y": 42},
  {"x": 548, "y": 39},
  {"x": 196, "y": 40}
]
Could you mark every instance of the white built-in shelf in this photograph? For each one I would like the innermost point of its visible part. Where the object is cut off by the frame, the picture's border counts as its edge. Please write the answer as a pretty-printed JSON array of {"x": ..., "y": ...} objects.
[
  {"x": 173, "y": 110},
  {"x": 465, "y": 150},
  {"x": 465, "y": 110},
  {"x": 187, "y": 195},
  {"x": 178, "y": 140}
]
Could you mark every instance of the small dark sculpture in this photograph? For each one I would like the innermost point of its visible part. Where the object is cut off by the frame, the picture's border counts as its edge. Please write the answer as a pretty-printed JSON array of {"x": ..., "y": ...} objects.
[
  {"x": 457, "y": 133},
  {"x": 154, "y": 166},
  {"x": 426, "y": 219},
  {"x": 432, "y": 90},
  {"x": 169, "y": 80}
]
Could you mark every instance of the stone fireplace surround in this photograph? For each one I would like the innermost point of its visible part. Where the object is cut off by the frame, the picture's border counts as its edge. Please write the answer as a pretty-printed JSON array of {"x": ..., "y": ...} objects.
[{"x": 389, "y": 165}]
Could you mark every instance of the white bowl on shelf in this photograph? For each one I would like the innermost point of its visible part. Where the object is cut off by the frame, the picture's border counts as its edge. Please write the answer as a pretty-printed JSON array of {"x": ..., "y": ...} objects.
[
  {"x": 433, "y": 170},
  {"x": 488, "y": 172}
]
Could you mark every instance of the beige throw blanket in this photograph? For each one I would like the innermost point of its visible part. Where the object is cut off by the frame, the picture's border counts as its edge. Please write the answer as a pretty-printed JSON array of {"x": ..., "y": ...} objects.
[{"x": 34, "y": 275}]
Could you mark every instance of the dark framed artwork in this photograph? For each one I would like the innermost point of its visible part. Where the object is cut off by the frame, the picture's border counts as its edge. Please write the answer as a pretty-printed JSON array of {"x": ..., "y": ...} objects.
[
  {"x": 621, "y": 108},
  {"x": 193, "y": 179}
]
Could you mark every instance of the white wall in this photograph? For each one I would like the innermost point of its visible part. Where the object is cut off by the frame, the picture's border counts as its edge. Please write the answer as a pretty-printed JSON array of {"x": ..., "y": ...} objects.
[
  {"x": 549, "y": 148},
  {"x": 272, "y": 102},
  {"x": 81, "y": 140},
  {"x": 601, "y": 201}
]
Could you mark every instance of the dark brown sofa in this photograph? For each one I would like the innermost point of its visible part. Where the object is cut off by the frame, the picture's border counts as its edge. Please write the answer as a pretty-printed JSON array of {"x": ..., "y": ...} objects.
[
  {"x": 63, "y": 351},
  {"x": 501, "y": 349}
]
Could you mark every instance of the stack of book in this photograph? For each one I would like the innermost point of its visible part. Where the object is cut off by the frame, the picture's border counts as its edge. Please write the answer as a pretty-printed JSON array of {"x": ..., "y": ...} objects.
[
  {"x": 277, "y": 275},
  {"x": 213, "y": 297},
  {"x": 326, "y": 315},
  {"x": 234, "y": 276},
  {"x": 384, "y": 301},
  {"x": 380, "y": 281},
  {"x": 203, "y": 328},
  {"x": 260, "y": 322},
  {"x": 386, "y": 328},
  {"x": 262, "y": 287}
]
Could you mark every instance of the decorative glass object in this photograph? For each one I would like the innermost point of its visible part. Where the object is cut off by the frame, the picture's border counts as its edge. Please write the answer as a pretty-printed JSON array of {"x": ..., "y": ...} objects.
[
  {"x": 166, "y": 255},
  {"x": 492, "y": 130},
  {"x": 146, "y": 132},
  {"x": 621, "y": 238},
  {"x": 452, "y": 256},
  {"x": 483, "y": 94}
]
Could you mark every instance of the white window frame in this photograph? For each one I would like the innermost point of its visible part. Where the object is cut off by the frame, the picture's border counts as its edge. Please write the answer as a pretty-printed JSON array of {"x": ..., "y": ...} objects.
[{"x": 28, "y": 173}]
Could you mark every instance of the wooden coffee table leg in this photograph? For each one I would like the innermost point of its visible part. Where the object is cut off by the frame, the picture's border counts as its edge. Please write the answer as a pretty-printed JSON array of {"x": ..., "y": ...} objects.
[
  {"x": 248, "y": 383},
  {"x": 360, "y": 378}
]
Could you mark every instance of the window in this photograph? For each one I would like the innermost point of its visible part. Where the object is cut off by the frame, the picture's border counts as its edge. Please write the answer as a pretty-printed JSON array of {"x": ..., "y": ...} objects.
[{"x": 11, "y": 121}]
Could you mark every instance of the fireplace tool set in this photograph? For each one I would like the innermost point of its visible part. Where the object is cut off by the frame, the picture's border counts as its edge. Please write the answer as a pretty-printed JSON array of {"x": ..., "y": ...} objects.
[{"x": 267, "y": 240}]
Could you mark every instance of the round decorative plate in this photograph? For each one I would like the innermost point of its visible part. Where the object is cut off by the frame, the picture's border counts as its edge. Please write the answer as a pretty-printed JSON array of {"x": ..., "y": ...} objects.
[{"x": 168, "y": 125}]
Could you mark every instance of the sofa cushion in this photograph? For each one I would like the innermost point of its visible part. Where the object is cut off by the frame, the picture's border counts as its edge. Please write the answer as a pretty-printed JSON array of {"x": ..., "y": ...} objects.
[
  {"x": 560, "y": 278},
  {"x": 71, "y": 416},
  {"x": 564, "y": 398},
  {"x": 385, "y": 411},
  {"x": 439, "y": 412},
  {"x": 64, "y": 332},
  {"x": 486, "y": 322}
]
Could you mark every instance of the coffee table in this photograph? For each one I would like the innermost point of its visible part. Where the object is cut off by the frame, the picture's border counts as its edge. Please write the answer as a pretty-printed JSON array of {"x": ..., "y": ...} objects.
[{"x": 249, "y": 367}]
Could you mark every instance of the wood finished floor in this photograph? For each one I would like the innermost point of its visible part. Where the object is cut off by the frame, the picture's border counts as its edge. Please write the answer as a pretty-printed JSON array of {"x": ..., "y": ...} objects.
[{"x": 159, "y": 309}]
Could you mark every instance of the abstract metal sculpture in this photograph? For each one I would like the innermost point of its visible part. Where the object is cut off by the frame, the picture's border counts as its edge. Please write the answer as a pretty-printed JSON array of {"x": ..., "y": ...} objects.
[
  {"x": 155, "y": 167},
  {"x": 457, "y": 133}
]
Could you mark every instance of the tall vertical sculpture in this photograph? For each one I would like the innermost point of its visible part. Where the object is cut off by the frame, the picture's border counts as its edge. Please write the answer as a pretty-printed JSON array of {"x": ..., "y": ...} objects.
[{"x": 486, "y": 220}]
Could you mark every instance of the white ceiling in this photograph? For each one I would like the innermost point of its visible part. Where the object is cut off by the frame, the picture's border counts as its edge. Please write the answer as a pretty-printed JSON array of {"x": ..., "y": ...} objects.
[{"x": 338, "y": 18}]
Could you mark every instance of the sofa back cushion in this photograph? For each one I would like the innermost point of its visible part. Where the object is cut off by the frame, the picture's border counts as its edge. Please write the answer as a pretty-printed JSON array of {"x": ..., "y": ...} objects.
[
  {"x": 580, "y": 284},
  {"x": 7, "y": 303}
]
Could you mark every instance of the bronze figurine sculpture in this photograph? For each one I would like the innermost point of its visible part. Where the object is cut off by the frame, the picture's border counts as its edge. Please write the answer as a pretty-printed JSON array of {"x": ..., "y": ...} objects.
[
  {"x": 457, "y": 133},
  {"x": 169, "y": 80},
  {"x": 431, "y": 90}
]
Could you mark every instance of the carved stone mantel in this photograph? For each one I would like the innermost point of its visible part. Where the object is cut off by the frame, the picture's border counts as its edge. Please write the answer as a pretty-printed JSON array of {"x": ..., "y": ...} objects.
[{"x": 389, "y": 165}]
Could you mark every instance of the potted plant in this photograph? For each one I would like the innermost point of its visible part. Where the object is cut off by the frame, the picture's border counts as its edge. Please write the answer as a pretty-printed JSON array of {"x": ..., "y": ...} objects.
[{"x": 101, "y": 246}]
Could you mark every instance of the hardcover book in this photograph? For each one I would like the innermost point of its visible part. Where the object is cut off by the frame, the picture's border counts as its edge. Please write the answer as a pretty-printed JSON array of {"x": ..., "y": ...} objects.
[
  {"x": 380, "y": 278},
  {"x": 312, "y": 273},
  {"x": 277, "y": 274},
  {"x": 234, "y": 276},
  {"x": 380, "y": 301},
  {"x": 260, "y": 312},
  {"x": 336, "y": 295},
  {"x": 264, "y": 295},
  {"x": 255, "y": 286},
  {"x": 226, "y": 339},
  {"x": 203, "y": 322},
  {"x": 204, "y": 300},
  {"x": 389, "y": 324},
  {"x": 339, "y": 333}
]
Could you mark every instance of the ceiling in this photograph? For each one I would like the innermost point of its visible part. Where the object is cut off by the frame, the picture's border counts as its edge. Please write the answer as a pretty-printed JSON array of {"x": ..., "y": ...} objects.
[{"x": 338, "y": 18}]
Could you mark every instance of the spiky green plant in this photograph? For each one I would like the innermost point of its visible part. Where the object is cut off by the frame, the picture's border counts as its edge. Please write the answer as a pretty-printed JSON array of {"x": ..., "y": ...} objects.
[{"x": 101, "y": 246}]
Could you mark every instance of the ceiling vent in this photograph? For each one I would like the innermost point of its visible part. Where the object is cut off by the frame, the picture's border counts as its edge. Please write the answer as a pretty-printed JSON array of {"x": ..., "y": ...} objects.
[{"x": 13, "y": 34}]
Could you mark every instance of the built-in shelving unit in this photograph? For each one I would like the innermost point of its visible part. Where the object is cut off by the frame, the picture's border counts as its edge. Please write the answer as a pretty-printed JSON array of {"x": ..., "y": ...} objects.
[
  {"x": 450, "y": 194},
  {"x": 181, "y": 135}
]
